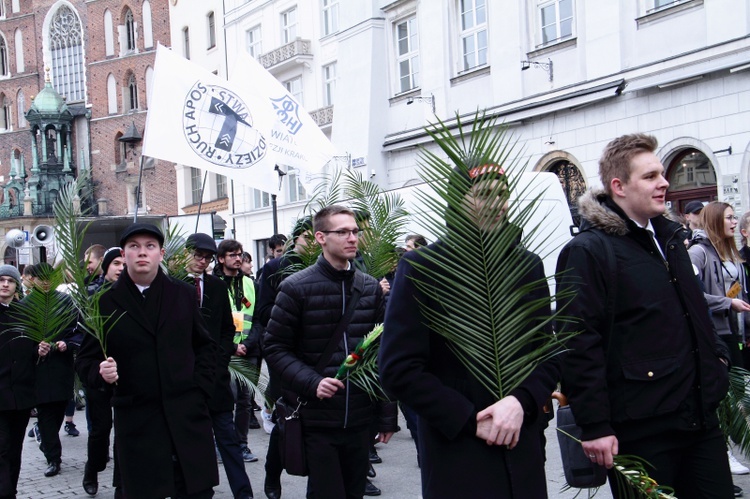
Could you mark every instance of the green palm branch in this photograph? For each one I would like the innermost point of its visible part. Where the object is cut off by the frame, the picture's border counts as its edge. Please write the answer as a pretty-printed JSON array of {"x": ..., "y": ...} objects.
[
  {"x": 382, "y": 230},
  {"x": 501, "y": 338},
  {"x": 734, "y": 410},
  {"x": 69, "y": 237},
  {"x": 242, "y": 371},
  {"x": 176, "y": 257}
]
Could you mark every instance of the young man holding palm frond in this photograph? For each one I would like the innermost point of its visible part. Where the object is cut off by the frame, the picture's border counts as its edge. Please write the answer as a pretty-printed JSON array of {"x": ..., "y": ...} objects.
[
  {"x": 468, "y": 289},
  {"x": 647, "y": 372}
]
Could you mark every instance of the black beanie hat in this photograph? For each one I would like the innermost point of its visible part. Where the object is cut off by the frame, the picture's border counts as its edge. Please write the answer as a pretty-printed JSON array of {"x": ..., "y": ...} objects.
[{"x": 109, "y": 256}]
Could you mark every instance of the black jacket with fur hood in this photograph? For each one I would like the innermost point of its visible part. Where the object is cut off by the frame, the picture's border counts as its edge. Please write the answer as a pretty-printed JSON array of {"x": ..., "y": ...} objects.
[{"x": 656, "y": 364}]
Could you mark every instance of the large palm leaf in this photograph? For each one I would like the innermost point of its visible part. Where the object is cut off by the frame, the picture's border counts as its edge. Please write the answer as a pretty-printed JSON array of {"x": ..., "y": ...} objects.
[{"x": 501, "y": 336}]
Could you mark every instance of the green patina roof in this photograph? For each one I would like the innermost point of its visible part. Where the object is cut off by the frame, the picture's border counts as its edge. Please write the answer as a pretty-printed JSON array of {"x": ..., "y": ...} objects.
[{"x": 49, "y": 101}]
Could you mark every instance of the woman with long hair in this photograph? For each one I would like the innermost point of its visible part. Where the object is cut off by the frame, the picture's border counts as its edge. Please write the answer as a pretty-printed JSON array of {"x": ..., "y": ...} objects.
[{"x": 719, "y": 264}]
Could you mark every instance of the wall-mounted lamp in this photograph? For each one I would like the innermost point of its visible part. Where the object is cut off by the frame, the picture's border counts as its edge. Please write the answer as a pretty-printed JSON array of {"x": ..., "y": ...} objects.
[
  {"x": 430, "y": 100},
  {"x": 547, "y": 66},
  {"x": 131, "y": 137}
]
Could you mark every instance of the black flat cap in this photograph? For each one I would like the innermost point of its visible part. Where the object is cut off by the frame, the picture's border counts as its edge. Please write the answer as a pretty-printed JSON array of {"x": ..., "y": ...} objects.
[
  {"x": 693, "y": 207},
  {"x": 135, "y": 229},
  {"x": 200, "y": 241}
]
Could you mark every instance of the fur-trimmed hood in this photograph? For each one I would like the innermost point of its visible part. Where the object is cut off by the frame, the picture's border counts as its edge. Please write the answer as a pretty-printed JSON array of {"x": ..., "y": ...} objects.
[
  {"x": 595, "y": 211},
  {"x": 598, "y": 210}
]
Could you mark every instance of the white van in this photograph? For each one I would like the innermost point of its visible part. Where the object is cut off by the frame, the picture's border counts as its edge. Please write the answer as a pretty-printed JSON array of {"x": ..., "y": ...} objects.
[{"x": 550, "y": 223}]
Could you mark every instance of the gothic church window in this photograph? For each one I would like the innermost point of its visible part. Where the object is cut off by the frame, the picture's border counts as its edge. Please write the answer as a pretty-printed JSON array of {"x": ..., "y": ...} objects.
[{"x": 66, "y": 52}]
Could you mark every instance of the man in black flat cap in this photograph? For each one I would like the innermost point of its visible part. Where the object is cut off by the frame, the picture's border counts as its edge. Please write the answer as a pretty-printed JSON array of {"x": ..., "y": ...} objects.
[{"x": 161, "y": 361}]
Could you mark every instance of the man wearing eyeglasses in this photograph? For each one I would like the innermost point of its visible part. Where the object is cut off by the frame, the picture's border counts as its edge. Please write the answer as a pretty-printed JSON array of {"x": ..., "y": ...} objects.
[
  {"x": 211, "y": 293},
  {"x": 242, "y": 303},
  {"x": 309, "y": 306}
]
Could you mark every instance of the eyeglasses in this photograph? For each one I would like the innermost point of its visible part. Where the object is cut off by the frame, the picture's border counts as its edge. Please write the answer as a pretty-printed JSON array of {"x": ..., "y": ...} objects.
[
  {"x": 731, "y": 218},
  {"x": 201, "y": 257},
  {"x": 342, "y": 233},
  {"x": 233, "y": 255}
]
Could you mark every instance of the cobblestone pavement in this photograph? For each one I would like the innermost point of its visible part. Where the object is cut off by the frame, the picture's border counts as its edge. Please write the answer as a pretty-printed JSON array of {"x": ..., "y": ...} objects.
[{"x": 398, "y": 475}]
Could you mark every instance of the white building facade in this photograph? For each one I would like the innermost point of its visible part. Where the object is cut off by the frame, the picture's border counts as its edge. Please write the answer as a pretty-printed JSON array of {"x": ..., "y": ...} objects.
[{"x": 373, "y": 72}]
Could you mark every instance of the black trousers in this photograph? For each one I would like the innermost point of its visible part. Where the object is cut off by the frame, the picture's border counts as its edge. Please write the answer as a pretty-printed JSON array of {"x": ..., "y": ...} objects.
[
  {"x": 12, "y": 432},
  {"x": 693, "y": 463},
  {"x": 337, "y": 461},
  {"x": 50, "y": 418},
  {"x": 98, "y": 403}
]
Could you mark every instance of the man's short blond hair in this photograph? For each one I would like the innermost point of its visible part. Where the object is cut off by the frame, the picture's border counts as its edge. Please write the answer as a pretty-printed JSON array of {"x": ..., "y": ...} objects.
[{"x": 615, "y": 160}]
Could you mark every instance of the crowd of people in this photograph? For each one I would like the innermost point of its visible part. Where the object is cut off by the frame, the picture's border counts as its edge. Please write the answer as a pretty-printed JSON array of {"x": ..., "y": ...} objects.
[{"x": 658, "y": 307}]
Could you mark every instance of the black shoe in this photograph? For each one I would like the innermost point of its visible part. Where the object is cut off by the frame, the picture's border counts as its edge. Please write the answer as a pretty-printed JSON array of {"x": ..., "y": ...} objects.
[
  {"x": 52, "y": 470},
  {"x": 371, "y": 472},
  {"x": 374, "y": 458},
  {"x": 272, "y": 492},
  {"x": 371, "y": 490},
  {"x": 70, "y": 429},
  {"x": 253, "y": 424},
  {"x": 737, "y": 491},
  {"x": 90, "y": 481}
]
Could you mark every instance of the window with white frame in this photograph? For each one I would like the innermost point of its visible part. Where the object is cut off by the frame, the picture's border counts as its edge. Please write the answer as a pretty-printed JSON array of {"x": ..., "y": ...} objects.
[
  {"x": 473, "y": 24},
  {"x": 4, "y": 113},
  {"x": 196, "y": 184},
  {"x": 329, "y": 84},
  {"x": 221, "y": 186},
  {"x": 656, "y": 5},
  {"x": 330, "y": 16},
  {"x": 186, "y": 42},
  {"x": 21, "y": 103},
  {"x": 556, "y": 20},
  {"x": 407, "y": 54},
  {"x": 294, "y": 87},
  {"x": 289, "y": 25},
  {"x": 253, "y": 42},
  {"x": 211, "y": 21},
  {"x": 261, "y": 199},
  {"x": 132, "y": 97},
  {"x": 129, "y": 30},
  {"x": 297, "y": 191},
  {"x": 66, "y": 54}
]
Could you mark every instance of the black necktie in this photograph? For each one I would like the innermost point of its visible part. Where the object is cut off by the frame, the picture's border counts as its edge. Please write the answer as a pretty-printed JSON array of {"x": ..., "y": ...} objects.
[{"x": 198, "y": 294}]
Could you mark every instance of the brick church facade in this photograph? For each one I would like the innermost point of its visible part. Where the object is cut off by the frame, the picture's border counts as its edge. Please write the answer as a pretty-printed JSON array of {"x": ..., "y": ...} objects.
[{"x": 99, "y": 56}]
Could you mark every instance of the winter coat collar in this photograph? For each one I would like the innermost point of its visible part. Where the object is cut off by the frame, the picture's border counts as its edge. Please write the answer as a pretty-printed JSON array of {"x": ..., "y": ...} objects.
[{"x": 333, "y": 273}]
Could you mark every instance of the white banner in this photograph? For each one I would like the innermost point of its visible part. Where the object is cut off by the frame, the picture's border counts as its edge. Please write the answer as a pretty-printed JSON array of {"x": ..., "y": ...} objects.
[
  {"x": 198, "y": 119},
  {"x": 295, "y": 138}
]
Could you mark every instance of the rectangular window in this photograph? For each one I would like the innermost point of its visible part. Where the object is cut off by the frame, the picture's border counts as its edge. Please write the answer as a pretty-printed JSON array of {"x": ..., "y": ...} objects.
[
  {"x": 329, "y": 84},
  {"x": 261, "y": 199},
  {"x": 473, "y": 33},
  {"x": 289, "y": 25},
  {"x": 253, "y": 42},
  {"x": 294, "y": 87},
  {"x": 330, "y": 16},
  {"x": 196, "y": 183},
  {"x": 186, "y": 42},
  {"x": 297, "y": 191},
  {"x": 407, "y": 54},
  {"x": 556, "y": 20},
  {"x": 211, "y": 30},
  {"x": 221, "y": 186}
]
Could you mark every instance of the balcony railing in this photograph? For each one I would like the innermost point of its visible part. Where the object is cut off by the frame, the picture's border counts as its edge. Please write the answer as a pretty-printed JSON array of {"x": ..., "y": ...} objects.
[
  {"x": 322, "y": 116},
  {"x": 289, "y": 51}
]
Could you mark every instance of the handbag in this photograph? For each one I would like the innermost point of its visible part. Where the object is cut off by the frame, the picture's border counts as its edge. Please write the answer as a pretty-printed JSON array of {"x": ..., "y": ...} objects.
[
  {"x": 579, "y": 471},
  {"x": 289, "y": 419}
]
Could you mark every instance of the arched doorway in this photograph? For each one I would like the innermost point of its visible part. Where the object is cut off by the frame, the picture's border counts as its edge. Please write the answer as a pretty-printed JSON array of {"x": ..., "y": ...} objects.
[
  {"x": 572, "y": 182},
  {"x": 691, "y": 177}
]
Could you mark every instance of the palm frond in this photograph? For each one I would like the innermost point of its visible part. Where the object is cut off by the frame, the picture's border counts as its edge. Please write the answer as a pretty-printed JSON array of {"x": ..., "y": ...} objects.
[
  {"x": 250, "y": 375},
  {"x": 734, "y": 410},
  {"x": 502, "y": 337},
  {"x": 44, "y": 315},
  {"x": 384, "y": 223},
  {"x": 175, "y": 257}
]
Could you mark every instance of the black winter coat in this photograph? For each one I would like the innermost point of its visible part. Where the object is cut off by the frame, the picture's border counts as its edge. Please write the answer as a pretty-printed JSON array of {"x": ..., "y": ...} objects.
[
  {"x": 418, "y": 368},
  {"x": 17, "y": 359},
  {"x": 307, "y": 310},
  {"x": 166, "y": 361},
  {"x": 655, "y": 366},
  {"x": 217, "y": 314}
]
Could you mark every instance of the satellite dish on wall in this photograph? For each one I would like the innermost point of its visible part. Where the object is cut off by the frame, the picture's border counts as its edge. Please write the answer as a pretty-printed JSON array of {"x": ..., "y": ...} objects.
[{"x": 15, "y": 238}]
